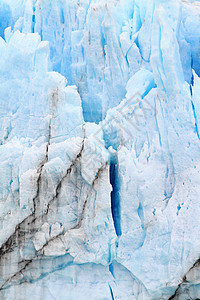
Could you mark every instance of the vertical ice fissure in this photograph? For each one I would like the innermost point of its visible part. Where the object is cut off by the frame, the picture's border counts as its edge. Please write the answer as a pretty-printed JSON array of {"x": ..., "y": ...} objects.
[
  {"x": 111, "y": 292},
  {"x": 193, "y": 107},
  {"x": 33, "y": 18},
  {"x": 115, "y": 194}
]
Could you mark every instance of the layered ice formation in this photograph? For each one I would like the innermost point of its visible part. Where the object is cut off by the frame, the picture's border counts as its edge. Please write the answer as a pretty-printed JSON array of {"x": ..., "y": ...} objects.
[{"x": 99, "y": 149}]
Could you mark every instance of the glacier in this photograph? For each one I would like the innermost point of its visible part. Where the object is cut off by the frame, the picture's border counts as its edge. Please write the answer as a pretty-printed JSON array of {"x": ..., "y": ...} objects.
[{"x": 99, "y": 149}]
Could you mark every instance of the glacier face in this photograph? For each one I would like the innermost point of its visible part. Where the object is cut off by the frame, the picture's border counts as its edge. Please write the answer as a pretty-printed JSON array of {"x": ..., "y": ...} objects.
[{"x": 99, "y": 148}]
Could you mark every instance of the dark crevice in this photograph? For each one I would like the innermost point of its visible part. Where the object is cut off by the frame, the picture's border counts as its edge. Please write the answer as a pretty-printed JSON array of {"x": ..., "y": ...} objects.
[
  {"x": 26, "y": 279},
  {"x": 191, "y": 90},
  {"x": 21, "y": 228},
  {"x": 33, "y": 20},
  {"x": 39, "y": 179},
  {"x": 184, "y": 280},
  {"x": 176, "y": 291},
  {"x": 26, "y": 229},
  {"x": 39, "y": 254},
  {"x": 68, "y": 172},
  {"x": 111, "y": 292},
  {"x": 195, "y": 118},
  {"x": 41, "y": 251},
  {"x": 169, "y": 180},
  {"x": 20, "y": 231},
  {"x": 16, "y": 274},
  {"x": 111, "y": 269},
  {"x": 115, "y": 194},
  {"x": 78, "y": 225}
]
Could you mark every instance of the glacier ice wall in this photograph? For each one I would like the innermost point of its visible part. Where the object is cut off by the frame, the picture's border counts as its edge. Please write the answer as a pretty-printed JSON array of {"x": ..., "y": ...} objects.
[{"x": 99, "y": 148}]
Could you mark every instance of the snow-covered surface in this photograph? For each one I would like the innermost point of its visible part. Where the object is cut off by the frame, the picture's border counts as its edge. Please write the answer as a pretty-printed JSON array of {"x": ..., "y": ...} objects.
[{"x": 99, "y": 149}]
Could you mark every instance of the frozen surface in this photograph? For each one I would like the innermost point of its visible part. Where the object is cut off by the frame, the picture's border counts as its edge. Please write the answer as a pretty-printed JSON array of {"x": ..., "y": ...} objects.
[{"x": 99, "y": 149}]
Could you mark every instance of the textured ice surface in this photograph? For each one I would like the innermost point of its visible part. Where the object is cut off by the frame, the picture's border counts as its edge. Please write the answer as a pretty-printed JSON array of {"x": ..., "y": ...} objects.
[{"x": 99, "y": 149}]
